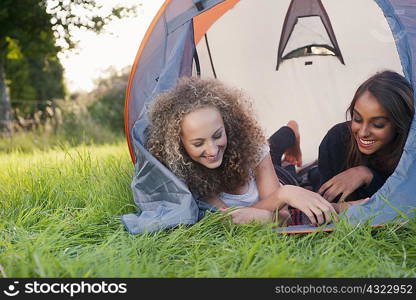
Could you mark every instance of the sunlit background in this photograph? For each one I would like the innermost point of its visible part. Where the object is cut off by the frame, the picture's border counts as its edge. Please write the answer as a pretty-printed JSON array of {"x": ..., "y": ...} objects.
[{"x": 115, "y": 48}]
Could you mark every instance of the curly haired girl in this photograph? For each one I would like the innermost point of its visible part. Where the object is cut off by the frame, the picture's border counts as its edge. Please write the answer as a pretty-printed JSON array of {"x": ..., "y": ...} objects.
[{"x": 206, "y": 134}]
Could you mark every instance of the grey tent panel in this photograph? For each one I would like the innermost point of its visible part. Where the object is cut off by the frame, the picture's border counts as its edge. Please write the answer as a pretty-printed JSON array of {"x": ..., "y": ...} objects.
[
  {"x": 190, "y": 13},
  {"x": 401, "y": 17},
  {"x": 162, "y": 199}
]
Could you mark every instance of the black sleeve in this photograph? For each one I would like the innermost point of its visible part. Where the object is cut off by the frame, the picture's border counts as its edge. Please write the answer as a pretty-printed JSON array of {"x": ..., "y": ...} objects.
[
  {"x": 332, "y": 152},
  {"x": 332, "y": 161},
  {"x": 378, "y": 180}
]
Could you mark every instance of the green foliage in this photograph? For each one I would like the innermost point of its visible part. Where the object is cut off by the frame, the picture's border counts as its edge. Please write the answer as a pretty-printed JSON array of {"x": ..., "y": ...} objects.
[
  {"x": 59, "y": 218},
  {"x": 81, "y": 129},
  {"x": 32, "y": 32},
  {"x": 17, "y": 68},
  {"x": 72, "y": 133},
  {"x": 33, "y": 77},
  {"x": 108, "y": 106},
  {"x": 76, "y": 127},
  {"x": 89, "y": 118},
  {"x": 37, "y": 23},
  {"x": 32, "y": 68}
]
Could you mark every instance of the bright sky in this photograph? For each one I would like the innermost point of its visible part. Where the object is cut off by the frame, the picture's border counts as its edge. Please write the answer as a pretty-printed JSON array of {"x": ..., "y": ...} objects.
[{"x": 116, "y": 47}]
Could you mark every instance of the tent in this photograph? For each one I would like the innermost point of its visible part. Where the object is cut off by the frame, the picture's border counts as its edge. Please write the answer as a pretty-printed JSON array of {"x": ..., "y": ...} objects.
[{"x": 297, "y": 59}]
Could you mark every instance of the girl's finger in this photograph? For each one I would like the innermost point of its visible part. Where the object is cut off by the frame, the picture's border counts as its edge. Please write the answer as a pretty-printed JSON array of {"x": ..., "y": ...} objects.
[
  {"x": 331, "y": 194},
  {"x": 328, "y": 210},
  {"x": 333, "y": 212},
  {"x": 344, "y": 195},
  {"x": 324, "y": 205},
  {"x": 329, "y": 215},
  {"x": 323, "y": 188},
  {"x": 311, "y": 217}
]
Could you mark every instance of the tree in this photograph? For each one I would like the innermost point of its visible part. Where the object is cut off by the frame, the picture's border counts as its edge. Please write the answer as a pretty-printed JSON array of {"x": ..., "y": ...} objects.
[
  {"x": 33, "y": 75},
  {"x": 39, "y": 29},
  {"x": 108, "y": 106}
]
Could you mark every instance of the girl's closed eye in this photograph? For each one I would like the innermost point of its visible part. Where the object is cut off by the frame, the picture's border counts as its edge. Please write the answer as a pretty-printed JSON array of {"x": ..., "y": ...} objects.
[
  {"x": 379, "y": 125},
  {"x": 356, "y": 117},
  {"x": 217, "y": 135}
]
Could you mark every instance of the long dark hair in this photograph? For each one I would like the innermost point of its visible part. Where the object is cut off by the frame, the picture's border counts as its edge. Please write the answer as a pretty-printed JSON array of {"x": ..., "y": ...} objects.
[{"x": 395, "y": 94}]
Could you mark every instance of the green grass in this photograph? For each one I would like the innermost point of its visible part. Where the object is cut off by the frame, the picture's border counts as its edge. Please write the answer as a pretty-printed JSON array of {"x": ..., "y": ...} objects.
[
  {"x": 59, "y": 214},
  {"x": 75, "y": 131}
]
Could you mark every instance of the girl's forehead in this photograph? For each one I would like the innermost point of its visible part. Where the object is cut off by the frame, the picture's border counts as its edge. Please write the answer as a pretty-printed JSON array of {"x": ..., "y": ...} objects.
[
  {"x": 369, "y": 105},
  {"x": 201, "y": 121},
  {"x": 203, "y": 114}
]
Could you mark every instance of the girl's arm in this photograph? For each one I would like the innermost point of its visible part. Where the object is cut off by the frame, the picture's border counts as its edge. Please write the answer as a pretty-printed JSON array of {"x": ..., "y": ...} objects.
[
  {"x": 268, "y": 186},
  {"x": 273, "y": 196}
]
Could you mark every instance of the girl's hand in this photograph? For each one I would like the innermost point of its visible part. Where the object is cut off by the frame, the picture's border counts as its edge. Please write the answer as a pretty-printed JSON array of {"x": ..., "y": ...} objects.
[
  {"x": 250, "y": 214},
  {"x": 342, "y": 206},
  {"x": 345, "y": 183},
  {"x": 313, "y": 205}
]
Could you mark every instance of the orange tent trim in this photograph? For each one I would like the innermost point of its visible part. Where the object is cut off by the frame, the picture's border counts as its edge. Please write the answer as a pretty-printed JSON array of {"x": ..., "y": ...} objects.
[{"x": 204, "y": 21}]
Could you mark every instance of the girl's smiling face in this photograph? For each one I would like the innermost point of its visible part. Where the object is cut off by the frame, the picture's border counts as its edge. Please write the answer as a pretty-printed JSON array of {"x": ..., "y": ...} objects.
[
  {"x": 203, "y": 136},
  {"x": 371, "y": 125}
]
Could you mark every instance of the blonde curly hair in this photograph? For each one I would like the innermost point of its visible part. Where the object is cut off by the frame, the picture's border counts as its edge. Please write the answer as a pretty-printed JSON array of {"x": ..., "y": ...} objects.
[{"x": 245, "y": 136}]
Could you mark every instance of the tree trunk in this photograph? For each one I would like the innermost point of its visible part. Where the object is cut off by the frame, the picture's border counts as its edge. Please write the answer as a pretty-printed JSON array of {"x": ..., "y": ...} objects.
[{"x": 5, "y": 108}]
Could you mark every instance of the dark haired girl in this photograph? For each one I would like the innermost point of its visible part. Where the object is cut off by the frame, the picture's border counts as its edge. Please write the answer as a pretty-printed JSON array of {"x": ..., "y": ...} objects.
[{"x": 356, "y": 157}]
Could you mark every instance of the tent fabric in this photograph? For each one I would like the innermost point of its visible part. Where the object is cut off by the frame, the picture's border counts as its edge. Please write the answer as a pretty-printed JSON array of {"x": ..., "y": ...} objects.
[
  {"x": 163, "y": 200},
  {"x": 298, "y": 11},
  {"x": 401, "y": 17},
  {"x": 152, "y": 185},
  {"x": 308, "y": 31},
  {"x": 189, "y": 14},
  {"x": 203, "y": 21}
]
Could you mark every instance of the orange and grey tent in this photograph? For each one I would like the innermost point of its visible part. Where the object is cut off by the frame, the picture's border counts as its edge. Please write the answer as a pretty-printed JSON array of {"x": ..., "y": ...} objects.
[{"x": 297, "y": 59}]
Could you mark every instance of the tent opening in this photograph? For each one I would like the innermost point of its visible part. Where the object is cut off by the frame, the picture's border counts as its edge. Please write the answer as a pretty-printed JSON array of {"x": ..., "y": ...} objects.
[{"x": 307, "y": 31}]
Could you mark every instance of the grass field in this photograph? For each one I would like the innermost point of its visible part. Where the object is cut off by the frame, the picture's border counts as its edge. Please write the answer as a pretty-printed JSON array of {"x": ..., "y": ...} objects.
[{"x": 59, "y": 214}]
